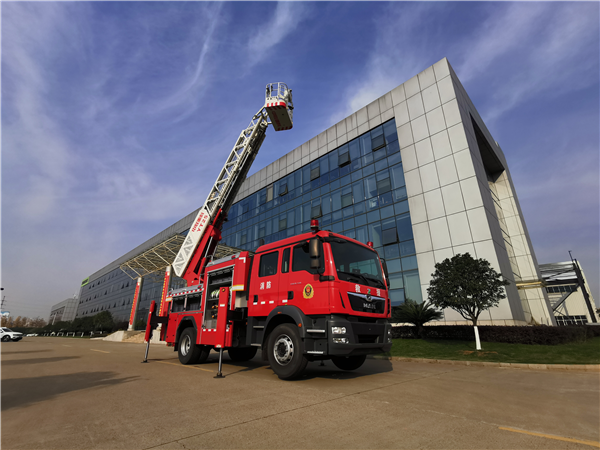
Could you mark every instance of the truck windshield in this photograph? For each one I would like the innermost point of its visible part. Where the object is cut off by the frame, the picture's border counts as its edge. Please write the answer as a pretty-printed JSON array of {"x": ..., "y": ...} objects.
[{"x": 356, "y": 264}]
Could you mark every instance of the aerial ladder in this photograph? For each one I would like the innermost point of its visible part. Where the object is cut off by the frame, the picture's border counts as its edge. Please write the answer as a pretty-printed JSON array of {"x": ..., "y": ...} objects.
[
  {"x": 205, "y": 232},
  {"x": 328, "y": 301}
]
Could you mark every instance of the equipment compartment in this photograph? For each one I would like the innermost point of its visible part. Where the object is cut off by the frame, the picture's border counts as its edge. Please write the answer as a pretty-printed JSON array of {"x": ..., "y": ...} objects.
[{"x": 216, "y": 280}]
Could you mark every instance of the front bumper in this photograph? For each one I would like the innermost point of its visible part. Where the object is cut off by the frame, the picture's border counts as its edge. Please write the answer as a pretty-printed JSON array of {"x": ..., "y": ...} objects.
[{"x": 364, "y": 338}]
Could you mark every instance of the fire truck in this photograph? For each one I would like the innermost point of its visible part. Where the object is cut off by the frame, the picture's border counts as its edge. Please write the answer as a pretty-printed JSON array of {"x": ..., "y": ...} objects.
[{"x": 315, "y": 296}]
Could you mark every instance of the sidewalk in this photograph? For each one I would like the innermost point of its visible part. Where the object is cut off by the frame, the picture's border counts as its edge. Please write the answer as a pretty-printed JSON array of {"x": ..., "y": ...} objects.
[{"x": 569, "y": 367}]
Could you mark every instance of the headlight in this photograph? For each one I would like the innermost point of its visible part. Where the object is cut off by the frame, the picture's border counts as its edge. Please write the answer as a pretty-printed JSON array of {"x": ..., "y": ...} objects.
[
  {"x": 338, "y": 330},
  {"x": 340, "y": 340}
]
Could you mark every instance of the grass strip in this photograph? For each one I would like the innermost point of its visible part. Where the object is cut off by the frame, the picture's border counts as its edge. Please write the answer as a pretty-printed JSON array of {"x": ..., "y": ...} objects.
[{"x": 580, "y": 353}]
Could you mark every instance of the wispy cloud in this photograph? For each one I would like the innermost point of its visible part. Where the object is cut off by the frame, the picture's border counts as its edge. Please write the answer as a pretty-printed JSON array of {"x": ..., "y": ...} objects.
[
  {"x": 187, "y": 92},
  {"x": 555, "y": 60},
  {"x": 399, "y": 53},
  {"x": 283, "y": 21}
]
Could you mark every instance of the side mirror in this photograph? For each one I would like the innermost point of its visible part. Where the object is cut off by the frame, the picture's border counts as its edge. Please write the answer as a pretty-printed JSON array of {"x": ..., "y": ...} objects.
[
  {"x": 385, "y": 272},
  {"x": 315, "y": 255}
]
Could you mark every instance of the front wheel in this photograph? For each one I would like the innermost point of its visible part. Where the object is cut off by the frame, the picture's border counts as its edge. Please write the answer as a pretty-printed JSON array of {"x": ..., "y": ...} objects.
[
  {"x": 5, "y": 338},
  {"x": 285, "y": 352},
  {"x": 189, "y": 352},
  {"x": 348, "y": 362}
]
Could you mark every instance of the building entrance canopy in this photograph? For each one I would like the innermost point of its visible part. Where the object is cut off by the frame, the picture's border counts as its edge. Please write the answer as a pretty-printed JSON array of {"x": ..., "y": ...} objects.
[{"x": 159, "y": 257}]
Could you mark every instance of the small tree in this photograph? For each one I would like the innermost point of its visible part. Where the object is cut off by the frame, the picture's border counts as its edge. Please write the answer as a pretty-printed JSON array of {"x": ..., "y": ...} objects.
[
  {"x": 416, "y": 313},
  {"x": 103, "y": 321},
  {"x": 467, "y": 285}
]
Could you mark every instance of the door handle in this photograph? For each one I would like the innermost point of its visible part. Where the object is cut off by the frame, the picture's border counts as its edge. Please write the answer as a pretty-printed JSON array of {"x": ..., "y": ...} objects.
[{"x": 290, "y": 295}]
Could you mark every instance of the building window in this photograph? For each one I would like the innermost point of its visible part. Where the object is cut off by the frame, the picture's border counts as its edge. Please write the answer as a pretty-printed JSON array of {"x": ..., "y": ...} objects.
[
  {"x": 344, "y": 159},
  {"x": 378, "y": 142},
  {"x": 315, "y": 173},
  {"x": 269, "y": 193},
  {"x": 571, "y": 320},
  {"x": 283, "y": 189},
  {"x": 346, "y": 199},
  {"x": 390, "y": 236},
  {"x": 383, "y": 186},
  {"x": 315, "y": 212}
]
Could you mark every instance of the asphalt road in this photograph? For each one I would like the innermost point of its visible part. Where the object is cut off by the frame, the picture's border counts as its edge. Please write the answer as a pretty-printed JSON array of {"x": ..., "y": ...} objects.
[{"x": 63, "y": 393}]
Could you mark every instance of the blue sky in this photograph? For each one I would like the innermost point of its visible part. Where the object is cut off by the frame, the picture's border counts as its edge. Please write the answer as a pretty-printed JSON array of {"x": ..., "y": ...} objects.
[{"x": 117, "y": 116}]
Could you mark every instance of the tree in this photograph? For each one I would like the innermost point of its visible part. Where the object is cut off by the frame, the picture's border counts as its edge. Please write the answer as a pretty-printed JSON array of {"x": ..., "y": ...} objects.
[
  {"x": 103, "y": 321},
  {"x": 467, "y": 285},
  {"x": 416, "y": 313}
]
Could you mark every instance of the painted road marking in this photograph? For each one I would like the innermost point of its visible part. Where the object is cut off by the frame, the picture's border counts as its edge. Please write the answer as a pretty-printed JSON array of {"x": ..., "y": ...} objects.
[
  {"x": 549, "y": 436},
  {"x": 101, "y": 351},
  {"x": 188, "y": 367}
]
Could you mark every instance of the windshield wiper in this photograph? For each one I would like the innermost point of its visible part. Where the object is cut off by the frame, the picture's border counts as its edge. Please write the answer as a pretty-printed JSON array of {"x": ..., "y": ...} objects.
[
  {"x": 357, "y": 276},
  {"x": 364, "y": 278},
  {"x": 375, "y": 280}
]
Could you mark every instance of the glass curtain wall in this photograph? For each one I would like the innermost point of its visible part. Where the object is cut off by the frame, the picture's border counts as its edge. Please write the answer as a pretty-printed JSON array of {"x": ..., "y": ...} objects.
[{"x": 357, "y": 190}]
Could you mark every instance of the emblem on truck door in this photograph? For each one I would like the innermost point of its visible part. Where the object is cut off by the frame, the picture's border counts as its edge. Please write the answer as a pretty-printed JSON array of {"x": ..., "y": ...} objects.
[{"x": 308, "y": 291}]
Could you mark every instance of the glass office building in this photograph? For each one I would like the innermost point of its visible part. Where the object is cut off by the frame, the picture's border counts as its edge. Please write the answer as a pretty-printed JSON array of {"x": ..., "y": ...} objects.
[
  {"x": 416, "y": 171},
  {"x": 357, "y": 189}
]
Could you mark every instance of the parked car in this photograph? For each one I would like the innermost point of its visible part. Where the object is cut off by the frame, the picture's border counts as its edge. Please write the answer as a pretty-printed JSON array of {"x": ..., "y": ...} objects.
[{"x": 6, "y": 334}]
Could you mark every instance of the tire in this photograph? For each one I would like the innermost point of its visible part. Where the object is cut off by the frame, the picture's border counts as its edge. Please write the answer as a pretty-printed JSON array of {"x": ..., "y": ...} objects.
[
  {"x": 5, "y": 338},
  {"x": 285, "y": 352},
  {"x": 189, "y": 352},
  {"x": 348, "y": 362},
  {"x": 242, "y": 354}
]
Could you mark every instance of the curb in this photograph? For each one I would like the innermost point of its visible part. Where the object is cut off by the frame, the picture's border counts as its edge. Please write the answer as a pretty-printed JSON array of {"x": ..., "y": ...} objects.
[{"x": 565, "y": 367}]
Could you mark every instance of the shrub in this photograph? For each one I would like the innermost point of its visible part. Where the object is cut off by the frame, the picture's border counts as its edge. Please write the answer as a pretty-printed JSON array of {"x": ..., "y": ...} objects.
[
  {"x": 540, "y": 335},
  {"x": 416, "y": 313}
]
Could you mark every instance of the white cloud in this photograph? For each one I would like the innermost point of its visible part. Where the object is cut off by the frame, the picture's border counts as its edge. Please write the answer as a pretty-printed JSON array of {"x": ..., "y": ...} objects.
[
  {"x": 556, "y": 59},
  {"x": 397, "y": 55},
  {"x": 284, "y": 21}
]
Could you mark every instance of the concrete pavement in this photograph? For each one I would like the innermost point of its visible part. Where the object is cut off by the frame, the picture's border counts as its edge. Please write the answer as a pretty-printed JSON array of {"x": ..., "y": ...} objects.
[{"x": 76, "y": 393}]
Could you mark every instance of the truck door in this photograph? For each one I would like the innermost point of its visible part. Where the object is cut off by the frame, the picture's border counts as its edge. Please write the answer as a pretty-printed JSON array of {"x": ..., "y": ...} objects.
[
  {"x": 309, "y": 294},
  {"x": 265, "y": 291}
]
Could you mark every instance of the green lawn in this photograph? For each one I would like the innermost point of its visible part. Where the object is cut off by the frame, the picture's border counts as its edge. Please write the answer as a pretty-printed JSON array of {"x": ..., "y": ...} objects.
[{"x": 584, "y": 353}]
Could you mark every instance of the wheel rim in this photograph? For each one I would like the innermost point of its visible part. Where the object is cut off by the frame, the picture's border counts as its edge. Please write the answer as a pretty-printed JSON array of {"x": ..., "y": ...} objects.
[
  {"x": 283, "y": 350},
  {"x": 186, "y": 344}
]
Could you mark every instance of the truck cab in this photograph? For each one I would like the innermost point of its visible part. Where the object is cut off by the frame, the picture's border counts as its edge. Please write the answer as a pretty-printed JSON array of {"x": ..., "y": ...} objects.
[{"x": 330, "y": 293}]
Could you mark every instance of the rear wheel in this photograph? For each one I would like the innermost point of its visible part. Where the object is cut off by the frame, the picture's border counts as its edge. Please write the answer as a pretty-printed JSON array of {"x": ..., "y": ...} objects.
[
  {"x": 189, "y": 352},
  {"x": 285, "y": 352},
  {"x": 242, "y": 354},
  {"x": 348, "y": 362}
]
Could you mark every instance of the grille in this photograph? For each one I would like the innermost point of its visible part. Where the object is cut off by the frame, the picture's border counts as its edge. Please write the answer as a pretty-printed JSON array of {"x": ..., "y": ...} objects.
[{"x": 359, "y": 303}]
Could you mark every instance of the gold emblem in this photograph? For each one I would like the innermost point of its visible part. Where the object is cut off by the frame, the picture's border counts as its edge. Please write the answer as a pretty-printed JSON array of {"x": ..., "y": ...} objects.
[{"x": 308, "y": 291}]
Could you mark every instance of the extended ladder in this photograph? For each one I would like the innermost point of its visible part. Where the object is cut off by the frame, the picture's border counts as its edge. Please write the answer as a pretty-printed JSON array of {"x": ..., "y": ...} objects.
[{"x": 277, "y": 110}]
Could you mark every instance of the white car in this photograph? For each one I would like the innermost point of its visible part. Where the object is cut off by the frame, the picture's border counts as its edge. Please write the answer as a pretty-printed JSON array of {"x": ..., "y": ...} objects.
[{"x": 6, "y": 334}]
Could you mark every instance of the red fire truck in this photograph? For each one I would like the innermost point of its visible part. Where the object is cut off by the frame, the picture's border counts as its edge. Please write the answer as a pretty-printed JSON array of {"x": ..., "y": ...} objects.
[{"x": 315, "y": 296}]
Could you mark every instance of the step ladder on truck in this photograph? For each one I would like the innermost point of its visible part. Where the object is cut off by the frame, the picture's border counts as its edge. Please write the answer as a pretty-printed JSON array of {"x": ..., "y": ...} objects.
[{"x": 311, "y": 297}]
